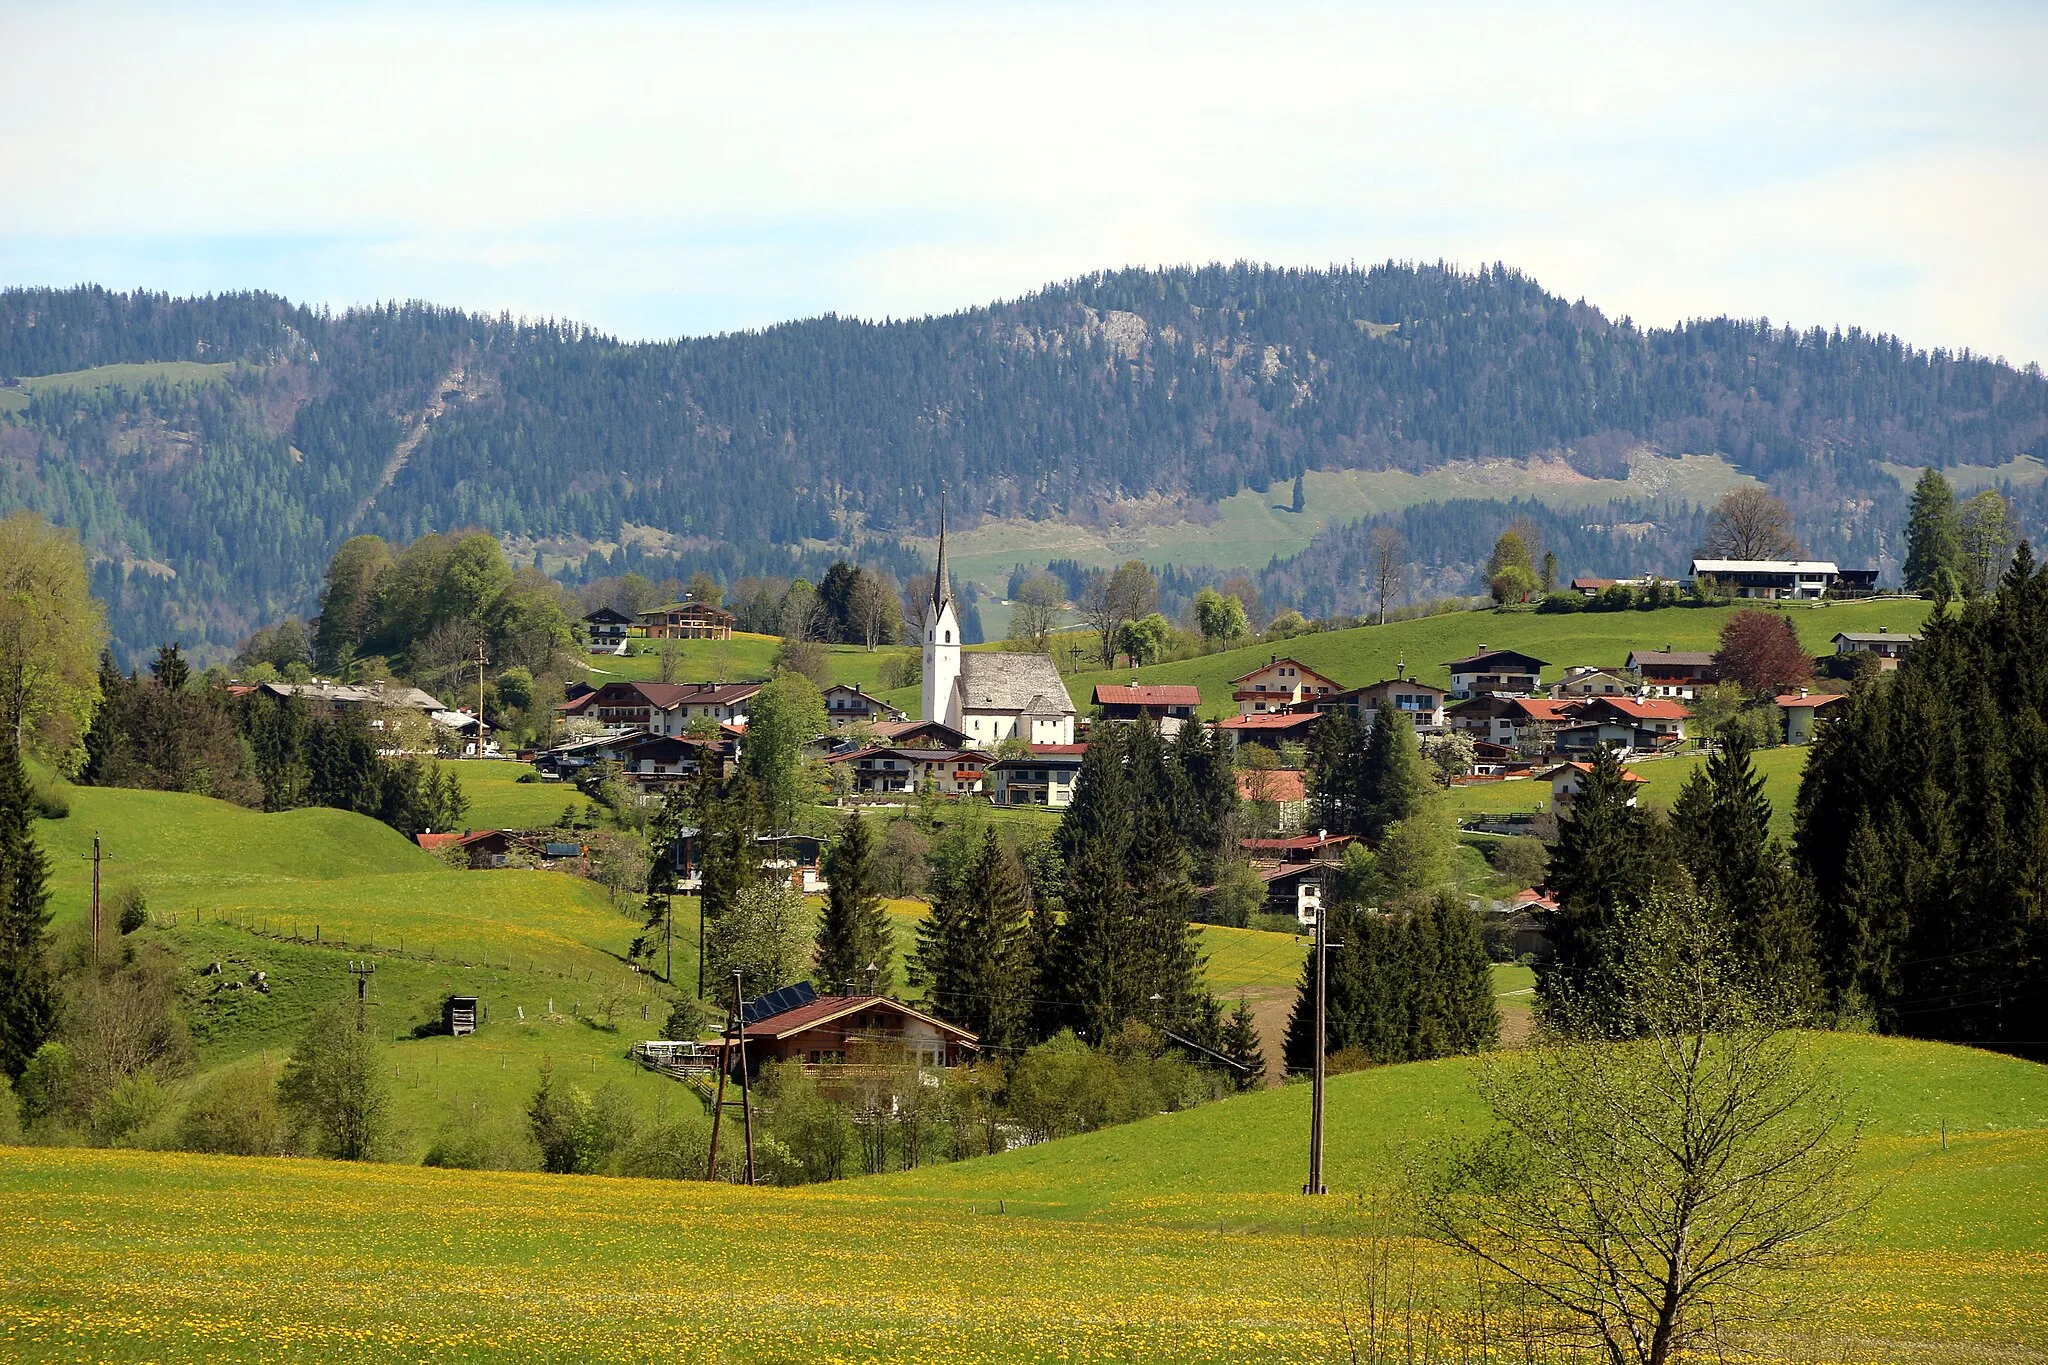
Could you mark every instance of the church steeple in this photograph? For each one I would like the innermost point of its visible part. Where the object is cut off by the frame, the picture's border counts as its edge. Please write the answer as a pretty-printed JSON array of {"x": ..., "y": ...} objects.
[{"x": 942, "y": 576}]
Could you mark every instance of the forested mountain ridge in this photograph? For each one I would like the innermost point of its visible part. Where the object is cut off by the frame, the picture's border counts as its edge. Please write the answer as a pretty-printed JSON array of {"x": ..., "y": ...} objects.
[{"x": 213, "y": 506}]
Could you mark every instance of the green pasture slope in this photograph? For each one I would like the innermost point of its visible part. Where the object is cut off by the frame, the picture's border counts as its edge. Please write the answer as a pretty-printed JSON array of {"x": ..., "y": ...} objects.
[
  {"x": 1182, "y": 1237},
  {"x": 105, "y": 377},
  {"x": 1369, "y": 653},
  {"x": 1780, "y": 768},
  {"x": 300, "y": 894}
]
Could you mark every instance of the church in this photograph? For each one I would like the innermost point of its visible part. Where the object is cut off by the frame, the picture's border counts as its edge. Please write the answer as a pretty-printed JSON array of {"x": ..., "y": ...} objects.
[{"x": 986, "y": 696}]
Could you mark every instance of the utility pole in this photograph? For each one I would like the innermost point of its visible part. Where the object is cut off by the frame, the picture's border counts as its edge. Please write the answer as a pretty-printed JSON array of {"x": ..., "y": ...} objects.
[
  {"x": 736, "y": 1030},
  {"x": 95, "y": 897},
  {"x": 1316, "y": 1074},
  {"x": 480, "y": 662},
  {"x": 362, "y": 972}
]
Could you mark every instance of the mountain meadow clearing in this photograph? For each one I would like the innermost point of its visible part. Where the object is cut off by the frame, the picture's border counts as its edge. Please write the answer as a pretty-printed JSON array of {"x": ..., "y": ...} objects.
[{"x": 1180, "y": 1237}]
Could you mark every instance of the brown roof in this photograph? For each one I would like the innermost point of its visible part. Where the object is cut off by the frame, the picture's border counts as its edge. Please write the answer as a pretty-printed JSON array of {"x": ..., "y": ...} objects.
[
  {"x": 1272, "y": 784},
  {"x": 1543, "y": 708},
  {"x": 826, "y": 1008},
  {"x": 1627, "y": 775},
  {"x": 1811, "y": 699},
  {"x": 1147, "y": 694},
  {"x": 1300, "y": 843},
  {"x": 1302, "y": 670}
]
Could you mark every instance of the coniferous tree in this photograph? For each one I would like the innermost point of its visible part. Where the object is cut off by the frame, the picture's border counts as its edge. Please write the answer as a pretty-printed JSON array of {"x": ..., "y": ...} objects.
[
  {"x": 1241, "y": 1045},
  {"x": 1934, "y": 544},
  {"x": 1206, "y": 816},
  {"x": 1162, "y": 900},
  {"x": 854, "y": 933},
  {"x": 1609, "y": 855},
  {"x": 1465, "y": 977},
  {"x": 1720, "y": 827},
  {"x": 29, "y": 1001},
  {"x": 1393, "y": 781},
  {"x": 1099, "y": 954},
  {"x": 1334, "y": 754},
  {"x": 974, "y": 951}
]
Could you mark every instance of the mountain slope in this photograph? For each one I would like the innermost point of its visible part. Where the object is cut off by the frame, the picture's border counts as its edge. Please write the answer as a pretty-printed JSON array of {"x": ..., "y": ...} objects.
[{"x": 215, "y": 502}]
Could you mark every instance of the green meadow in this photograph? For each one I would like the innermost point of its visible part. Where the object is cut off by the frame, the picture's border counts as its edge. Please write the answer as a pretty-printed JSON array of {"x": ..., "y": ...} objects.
[
  {"x": 1181, "y": 1237},
  {"x": 104, "y": 377}
]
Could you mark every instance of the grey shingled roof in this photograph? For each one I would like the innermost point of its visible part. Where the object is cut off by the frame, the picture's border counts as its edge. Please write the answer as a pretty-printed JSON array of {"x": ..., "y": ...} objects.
[{"x": 1026, "y": 683}]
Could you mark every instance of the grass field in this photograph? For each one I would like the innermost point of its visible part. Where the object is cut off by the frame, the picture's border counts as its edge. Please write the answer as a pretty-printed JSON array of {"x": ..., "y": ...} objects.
[
  {"x": 1780, "y": 768},
  {"x": 1180, "y": 1237},
  {"x": 1370, "y": 653},
  {"x": 114, "y": 377},
  {"x": 499, "y": 800}
]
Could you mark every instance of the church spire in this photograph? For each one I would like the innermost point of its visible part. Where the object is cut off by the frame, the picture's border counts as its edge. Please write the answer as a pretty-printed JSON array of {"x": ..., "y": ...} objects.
[{"x": 942, "y": 577}]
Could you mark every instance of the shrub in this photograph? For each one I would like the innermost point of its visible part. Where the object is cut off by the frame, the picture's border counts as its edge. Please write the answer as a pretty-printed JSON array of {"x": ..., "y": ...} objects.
[
  {"x": 1561, "y": 603},
  {"x": 47, "y": 801},
  {"x": 132, "y": 908},
  {"x": 235, "y": 1113},
  {"x": 126, "y": 1110},
  {"x": 10, "y": 1113},
  {"x": 527, "y": 777},
  {"x": 46, "y": 1085},
  {"x": 1525, "y": 862}
]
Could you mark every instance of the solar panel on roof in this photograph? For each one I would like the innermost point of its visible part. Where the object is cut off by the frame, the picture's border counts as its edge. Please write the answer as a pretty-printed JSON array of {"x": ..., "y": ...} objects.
[{"x": 779, "y": 1001}]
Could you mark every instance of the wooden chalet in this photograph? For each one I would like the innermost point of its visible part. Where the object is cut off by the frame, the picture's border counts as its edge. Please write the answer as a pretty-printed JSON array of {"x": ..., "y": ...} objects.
[
  {"x": 1281, "y": 683},
  {"x": 1169, "y": 705},
  {"x": 796, "y": 1024},
  {"x": 687, "y": 621},
  {"x": 846, "y": 704},
  {"x": 1506, "y": 672}
]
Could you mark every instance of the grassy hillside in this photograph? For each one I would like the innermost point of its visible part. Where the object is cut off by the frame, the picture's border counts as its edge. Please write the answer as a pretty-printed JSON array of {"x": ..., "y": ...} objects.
[
  {"x": 1179, "y": 1238},
  {"x": 103, "y": 377},
  {"x": 499, "y": 800},
  {"x": 1370, "y": 653},
  {"x": 1780, "y": 768},
  {"x": 298, "y": 895},
  {"x": 744, "y": 658}
]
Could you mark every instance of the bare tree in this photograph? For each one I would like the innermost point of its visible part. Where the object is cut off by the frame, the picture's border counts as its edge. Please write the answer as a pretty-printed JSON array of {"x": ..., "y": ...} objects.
[
  {"x": 1986, "y": 542},
  {"x": 1110, "y": 600},
  {"x": 1035, "y": 610},
  {"x": 873, "y": 608},
  {"x": 1388, "y": 569},
  {"x": 1748, "y": 523},
  {"x": 1657, "y": 1189}
]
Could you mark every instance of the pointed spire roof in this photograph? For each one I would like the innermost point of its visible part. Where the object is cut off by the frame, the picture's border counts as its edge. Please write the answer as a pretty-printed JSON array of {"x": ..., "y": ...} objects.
[{"x": 942, "y": 575}]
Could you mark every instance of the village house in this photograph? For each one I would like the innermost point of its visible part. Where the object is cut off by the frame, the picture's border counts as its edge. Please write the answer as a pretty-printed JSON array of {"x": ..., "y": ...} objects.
[
  {"x": 1889, "y": 648},
  {"x": 1281, "y": 794},
  {"x": 687, "y": 621},
  {"x": 1804, "y": 711},
  {"x": 846, "y": 704},
  {"x": 1170, "y": 705},
  {"x": 661, "y": 708},
  {"x": 1520, "y": 723},
  {"x": 1593, "y": 587},
  {"x": 920, "y": 734},
  {"x": 325, "y": 699},
  {"x": 1661, "y": 717},
  {"x": 1280, "y": 684},
  {"x": 1044, "y": 777},
  {"x": 1293, "y": 870},
  {"x": 1419, "y": 701},
  {"x": 1501, "y": 672},
  {"x": 606, "y": 629},
  {"x": 1568, "y": 779},
  {"x": 906, "y": 772},
  {"x": 1587, "y": 680},
  {"x": 1765, "y": 579},
  {"x": 1271, "y": 729},
  {"x": 796, "y": 1024},
  {"x": 485, "y": 848},
  {"x": 1669, "y": 672}
]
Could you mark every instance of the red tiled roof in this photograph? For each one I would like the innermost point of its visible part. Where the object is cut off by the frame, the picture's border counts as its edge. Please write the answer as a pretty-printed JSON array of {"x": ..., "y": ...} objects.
[
  {"x": 1056, "y": 750},
  {"x": 1147, "y": 694},
  {"x": 1627, "y": 774},
  {"x": 1658, "y": 709},
  {"x": 1811, "y": 699},
  {"x": 1269, "y": 720},
  {"x": 1531, "y": 899},
  {"x": 1543, "y": 709},
  {"x": 431, "y": 842},
  {"x": 1272, "y": 784}
]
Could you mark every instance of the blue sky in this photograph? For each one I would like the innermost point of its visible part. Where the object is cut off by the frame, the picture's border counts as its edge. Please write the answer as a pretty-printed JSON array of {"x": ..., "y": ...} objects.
[{"x": 665, "y": 169}]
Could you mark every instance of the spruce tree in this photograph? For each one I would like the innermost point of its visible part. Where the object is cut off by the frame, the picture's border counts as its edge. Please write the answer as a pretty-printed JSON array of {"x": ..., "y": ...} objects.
[
  {"x": 1241, "y": 1045},
  {"x": 975, "y": 951},
  {"x": 1609, "y": 855},
  {"x": 1393, "y": 781},
  {"x": 853, "y": 933},
  {"x": 1934, "y": 536},
  {"x": 1162, "y": 899},
  {"x": 1465, "y": 985},
  {"x": 1099, "y": 957},
  {"x": 1334, "y": 755},
  {"x": 29, "y": 1000}
]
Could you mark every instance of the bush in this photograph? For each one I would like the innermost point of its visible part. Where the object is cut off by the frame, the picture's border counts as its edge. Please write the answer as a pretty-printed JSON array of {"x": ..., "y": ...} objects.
[
  {"x": 235, "y": 1113},
  {"x": 527, "y": 777},
  {"x": 1561, "y": 603},
  {"x": 678, "y": 1150},
  {"x": 46, "y": 1085},
  {"x": 10, "y": 1113},
  {"x": 132, "y": 909},
  {"x": 1523, "y": 861},
  {"x": 127, "y": 1110},
  {"x": 47, "y": 801},
  {"x": 475, "y": 1148}
]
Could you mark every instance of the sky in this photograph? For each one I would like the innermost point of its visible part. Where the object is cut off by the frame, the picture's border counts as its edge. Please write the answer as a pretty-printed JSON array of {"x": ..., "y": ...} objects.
[{"x": 662, "y": 170}]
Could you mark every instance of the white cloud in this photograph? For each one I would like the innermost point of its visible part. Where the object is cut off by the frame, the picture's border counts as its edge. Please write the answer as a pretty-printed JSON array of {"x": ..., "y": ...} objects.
[{"x": 662, "y": 169}]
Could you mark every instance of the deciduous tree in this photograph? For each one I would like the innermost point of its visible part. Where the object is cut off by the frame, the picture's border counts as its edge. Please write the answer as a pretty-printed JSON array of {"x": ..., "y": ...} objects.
[{"x": 1749, "y": 523}]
